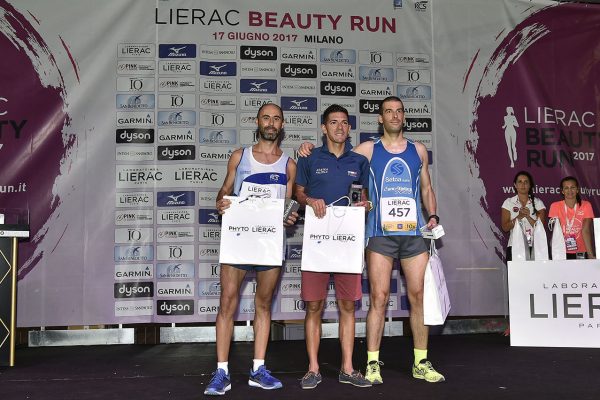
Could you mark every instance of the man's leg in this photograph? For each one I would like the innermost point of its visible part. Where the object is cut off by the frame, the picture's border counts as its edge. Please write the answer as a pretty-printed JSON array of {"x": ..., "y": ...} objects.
[
  {"x": 380, "y": 273},
  {"x": 346, "y": 333},
  {"x": 414, "y": 273},
  {"x": 313, "y": 293},
  {"x": 312, "y": 332},
  {"x": 265, "y": 285},
  {"x": 231, "y": 280}
]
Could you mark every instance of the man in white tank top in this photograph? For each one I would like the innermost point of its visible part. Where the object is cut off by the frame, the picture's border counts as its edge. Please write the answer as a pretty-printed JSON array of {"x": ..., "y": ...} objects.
[{"x": 259, "y": 169}]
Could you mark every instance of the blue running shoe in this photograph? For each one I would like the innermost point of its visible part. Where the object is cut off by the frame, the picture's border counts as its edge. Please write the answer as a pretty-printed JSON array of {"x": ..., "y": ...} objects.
[
  {"x": 262, "y": 378},
  {"x": 219, "y": 383}
]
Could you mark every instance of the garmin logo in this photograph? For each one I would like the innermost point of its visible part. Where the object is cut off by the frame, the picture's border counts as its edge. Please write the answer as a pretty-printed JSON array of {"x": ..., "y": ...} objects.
[
  {"x": 338, "y": 72},
  {"x": 135, "y": 118},
  {"x": 176, "y": 135},
  {"x": 175, "y": 289},
  {"x": 373, "y": 90},
  {"x": 298, "y": 54},
  {"x": 417, "y": 108}
]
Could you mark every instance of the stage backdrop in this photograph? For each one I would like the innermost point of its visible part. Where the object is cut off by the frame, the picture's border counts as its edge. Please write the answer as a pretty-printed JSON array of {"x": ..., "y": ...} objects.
[{"x": 117, "y": 119}]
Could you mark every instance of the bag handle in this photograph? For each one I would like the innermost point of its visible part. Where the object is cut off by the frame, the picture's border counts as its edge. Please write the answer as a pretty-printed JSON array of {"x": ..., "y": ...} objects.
[
  {"x": 340, "y": 199},
  {"x": 432, "y": 248}
]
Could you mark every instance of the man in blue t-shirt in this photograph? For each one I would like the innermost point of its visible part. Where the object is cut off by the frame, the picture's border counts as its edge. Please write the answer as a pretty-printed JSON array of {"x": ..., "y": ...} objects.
[{"x": 324, "y": 178}]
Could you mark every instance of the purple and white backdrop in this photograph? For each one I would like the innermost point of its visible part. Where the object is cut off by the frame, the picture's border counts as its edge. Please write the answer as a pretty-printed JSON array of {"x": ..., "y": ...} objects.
[{"x": 117, "y": 121}]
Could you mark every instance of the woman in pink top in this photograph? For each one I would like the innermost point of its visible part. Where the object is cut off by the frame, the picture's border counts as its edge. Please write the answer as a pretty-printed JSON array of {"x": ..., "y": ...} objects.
[{"x": 575, "y": 216}]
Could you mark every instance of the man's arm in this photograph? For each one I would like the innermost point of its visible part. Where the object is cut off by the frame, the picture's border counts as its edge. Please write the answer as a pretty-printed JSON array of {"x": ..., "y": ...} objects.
[
  {"x": 427, "y": 193},
  {"x": 289, "y": 191},
  {"x": 291, "y": 177},
  {"x": 365, "y": 148},
  {"x": 229, "y": 181}
]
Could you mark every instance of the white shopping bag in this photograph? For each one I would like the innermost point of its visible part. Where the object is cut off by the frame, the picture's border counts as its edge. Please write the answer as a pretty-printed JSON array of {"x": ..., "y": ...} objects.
[
  {"x": 334, "y": 243},
  {"x": 252, "y": 231},
  {"x": 519, "y": 245},
  {"x": 540, "y": 242},
  {"x": 557, "y": 243},
  {"x": 436, "y": 302}
]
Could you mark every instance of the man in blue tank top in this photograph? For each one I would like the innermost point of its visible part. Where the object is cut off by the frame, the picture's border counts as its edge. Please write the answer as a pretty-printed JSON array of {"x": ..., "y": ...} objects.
[
  {"x": 264, "y": 169},
  {"x": 398, "y": 182}
]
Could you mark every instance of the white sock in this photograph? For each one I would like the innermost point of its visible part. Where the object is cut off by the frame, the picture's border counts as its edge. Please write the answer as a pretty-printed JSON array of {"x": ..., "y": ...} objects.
[
  {"x": 256, "y": 364},
  {"x": 224, "y": 366}
]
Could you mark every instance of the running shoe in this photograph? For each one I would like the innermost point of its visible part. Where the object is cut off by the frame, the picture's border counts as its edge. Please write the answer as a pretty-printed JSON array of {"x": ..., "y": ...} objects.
[
  {"x": 262, "y": 378},
  {"x": 373, "y": 373},
  {"x": 219, "y": 383},
  {"x": 424, "y": 370}
]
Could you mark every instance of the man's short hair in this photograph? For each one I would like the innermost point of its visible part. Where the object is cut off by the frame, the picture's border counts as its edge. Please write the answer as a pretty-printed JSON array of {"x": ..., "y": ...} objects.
[
  {"x": 268, "y": 104},
  {"x": 389, "y": 98},
  {"x": 332, "y": 109}
]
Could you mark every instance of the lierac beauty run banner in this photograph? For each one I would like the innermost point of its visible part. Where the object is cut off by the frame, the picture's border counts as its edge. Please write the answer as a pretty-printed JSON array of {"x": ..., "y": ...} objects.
[{"x": 117, "y": 119}]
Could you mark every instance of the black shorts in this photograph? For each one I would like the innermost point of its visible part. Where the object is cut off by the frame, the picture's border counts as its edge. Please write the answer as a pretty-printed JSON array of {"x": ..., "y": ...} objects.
[{"x": 398, "y": 246}]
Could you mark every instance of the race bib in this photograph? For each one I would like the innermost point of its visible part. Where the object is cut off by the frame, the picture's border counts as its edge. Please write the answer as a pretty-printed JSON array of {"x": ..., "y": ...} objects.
[{"x": 398, "y": 214}]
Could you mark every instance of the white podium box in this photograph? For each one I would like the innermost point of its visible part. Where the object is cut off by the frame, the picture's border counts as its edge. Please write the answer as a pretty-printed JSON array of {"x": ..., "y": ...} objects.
[{"x": 554, "y": 303}]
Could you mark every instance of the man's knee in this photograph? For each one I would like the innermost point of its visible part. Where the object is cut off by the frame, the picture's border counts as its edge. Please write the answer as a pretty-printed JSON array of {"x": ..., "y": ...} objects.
[
  {"x": 314, "y": 307},
  {"x": 379, "y": 299}
]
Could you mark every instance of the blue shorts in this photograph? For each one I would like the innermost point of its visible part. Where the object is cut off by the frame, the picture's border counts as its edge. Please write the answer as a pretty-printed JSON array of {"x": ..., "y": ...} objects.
[
  {"x": 257, "y": 268},
  {"x": 398, "y": 246}
]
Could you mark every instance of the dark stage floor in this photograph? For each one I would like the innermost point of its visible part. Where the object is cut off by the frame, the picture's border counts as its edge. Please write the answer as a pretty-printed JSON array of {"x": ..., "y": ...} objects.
[{"x": 476, "y": 367}]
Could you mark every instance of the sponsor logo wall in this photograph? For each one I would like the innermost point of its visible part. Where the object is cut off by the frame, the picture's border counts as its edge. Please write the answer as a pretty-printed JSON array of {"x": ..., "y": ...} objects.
[{"x": 208, "y": 95}]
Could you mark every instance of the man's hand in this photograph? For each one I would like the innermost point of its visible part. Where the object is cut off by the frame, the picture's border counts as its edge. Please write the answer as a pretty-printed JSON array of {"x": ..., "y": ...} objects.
[
  {"x": 432, "y": 223},
  {"x": 305, "y": 149},
  {"x": 318, "y": 206},
  {"x": 292, "y": 218},
  {"x": 223, "y": 205}
]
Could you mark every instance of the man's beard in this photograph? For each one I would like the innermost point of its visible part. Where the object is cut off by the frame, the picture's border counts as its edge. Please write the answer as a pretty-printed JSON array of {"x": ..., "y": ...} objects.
[{"x": 271, "y": 136}]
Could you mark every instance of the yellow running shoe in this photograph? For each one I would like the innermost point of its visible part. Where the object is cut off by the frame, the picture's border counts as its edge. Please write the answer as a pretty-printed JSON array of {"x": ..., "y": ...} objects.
[
  {"x": 373, "y": 373},
  {"x": 424, "y": 370}
]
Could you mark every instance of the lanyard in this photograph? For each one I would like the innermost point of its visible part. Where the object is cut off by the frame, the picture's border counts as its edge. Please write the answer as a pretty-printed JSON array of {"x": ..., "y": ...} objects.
[{"x": 569, "y": 224}]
